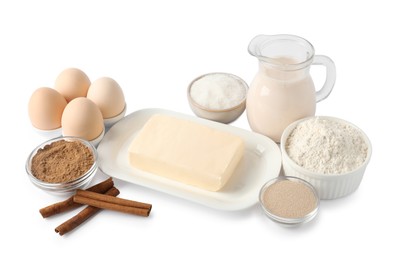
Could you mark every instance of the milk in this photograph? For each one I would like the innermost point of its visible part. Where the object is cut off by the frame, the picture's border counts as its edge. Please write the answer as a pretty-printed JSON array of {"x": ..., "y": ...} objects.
[
  {"x": 279, "y": 94},
  {"x": 282, "y": 90}
]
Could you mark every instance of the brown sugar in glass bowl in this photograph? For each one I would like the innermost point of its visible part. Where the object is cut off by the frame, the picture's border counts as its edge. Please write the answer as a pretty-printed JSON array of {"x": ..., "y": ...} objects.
[{"x": 62, "y": 165}]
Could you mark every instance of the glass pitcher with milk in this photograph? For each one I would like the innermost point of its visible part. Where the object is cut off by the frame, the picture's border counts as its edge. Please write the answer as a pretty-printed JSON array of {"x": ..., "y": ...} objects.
[{"x": 282, "y": 90}]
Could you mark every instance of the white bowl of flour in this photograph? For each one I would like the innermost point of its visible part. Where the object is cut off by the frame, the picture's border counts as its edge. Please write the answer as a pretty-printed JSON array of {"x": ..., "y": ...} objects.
[{"x": 330, "y": 153}]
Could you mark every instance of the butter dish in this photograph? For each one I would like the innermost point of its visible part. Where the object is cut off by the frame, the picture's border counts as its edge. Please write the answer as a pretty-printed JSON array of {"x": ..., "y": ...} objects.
[{"x": 261, "y": 162}]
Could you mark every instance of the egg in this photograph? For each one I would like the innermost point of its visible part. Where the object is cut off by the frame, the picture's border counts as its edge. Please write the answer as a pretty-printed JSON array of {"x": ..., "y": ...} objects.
[
  {"x": 82, "y": 118},
  {"x": 108, "y": 95},
  {"x": 45, "y": 108},
  {"x": 72, "y": 83}
]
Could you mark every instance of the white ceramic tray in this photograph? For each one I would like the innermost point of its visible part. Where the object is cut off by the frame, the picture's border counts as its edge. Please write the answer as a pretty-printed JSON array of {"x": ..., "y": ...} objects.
[{"x": 260, "y": 163}]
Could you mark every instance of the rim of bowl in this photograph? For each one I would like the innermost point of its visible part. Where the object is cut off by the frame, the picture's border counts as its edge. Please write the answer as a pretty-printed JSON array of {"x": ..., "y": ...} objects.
[
  {"x": 289, "y": 221},
  {"x": 116, "y": 117},
  {"x": 67, "y": 184},
  {"x": 95, "y": 142},
  {"x": 49, "y": 133},
  {"x": 289, "y": 129},
  {"x": 192, "y": 101},
  {"x": 45, "y": 131}
]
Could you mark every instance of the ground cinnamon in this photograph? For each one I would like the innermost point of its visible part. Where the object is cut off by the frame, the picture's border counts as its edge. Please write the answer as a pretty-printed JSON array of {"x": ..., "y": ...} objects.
[
  {"x": 69, "y": 204},
  {"x": 62, "y": 161},
  {"x": 82, "y": 216}
]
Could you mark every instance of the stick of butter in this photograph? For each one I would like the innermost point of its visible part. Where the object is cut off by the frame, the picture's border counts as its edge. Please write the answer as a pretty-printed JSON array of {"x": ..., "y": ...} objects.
[{"x": 186, "y": 151}]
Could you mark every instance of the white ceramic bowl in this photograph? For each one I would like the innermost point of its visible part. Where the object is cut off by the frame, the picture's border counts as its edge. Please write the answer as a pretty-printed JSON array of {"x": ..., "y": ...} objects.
[
  {"x": 49, "y": 134},
  {"x": 95, "y": 142},
  {"x": 328, "y": 186},
  {"x": 225, "y": 116},
  {"x": 109, "y": 122}
]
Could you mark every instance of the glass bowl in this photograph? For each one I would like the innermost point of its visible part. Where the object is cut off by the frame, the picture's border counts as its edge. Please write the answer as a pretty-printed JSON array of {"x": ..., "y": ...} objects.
[
  {"x": 67, "y": 187},
  {"x": 284, "y": 220}
]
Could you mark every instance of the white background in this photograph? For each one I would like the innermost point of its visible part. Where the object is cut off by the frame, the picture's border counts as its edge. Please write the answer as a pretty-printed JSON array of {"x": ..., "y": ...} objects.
[{"x": 154, "y": 49}]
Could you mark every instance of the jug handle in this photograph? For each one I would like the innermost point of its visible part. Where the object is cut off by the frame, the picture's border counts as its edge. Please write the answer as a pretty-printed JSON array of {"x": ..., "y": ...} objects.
[{"x": 330, "y": 76}]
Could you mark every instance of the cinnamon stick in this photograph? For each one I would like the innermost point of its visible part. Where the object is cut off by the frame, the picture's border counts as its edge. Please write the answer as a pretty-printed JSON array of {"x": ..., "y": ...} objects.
[
  {"x": 114, "y": 200},
  {"x": 69, "y": 204},
  {"x": 82, "y": 216},
  {"x": 112, "y": 203}
]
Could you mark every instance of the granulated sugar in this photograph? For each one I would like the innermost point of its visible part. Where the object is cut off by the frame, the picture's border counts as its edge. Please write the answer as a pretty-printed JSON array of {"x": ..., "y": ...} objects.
[
  {"x": 218, "y": 91},
  {"x": 326, "y": 146}
]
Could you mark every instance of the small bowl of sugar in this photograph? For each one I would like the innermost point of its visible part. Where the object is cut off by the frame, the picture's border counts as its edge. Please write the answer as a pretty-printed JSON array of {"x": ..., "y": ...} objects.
[
  {"x": 330, "y": 153},
  {"x": 218, "y": 96}
]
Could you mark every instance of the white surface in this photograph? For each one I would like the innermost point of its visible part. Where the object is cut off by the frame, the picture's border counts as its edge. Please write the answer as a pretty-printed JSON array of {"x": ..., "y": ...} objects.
[
  {"x": 241, "y": 191},
  {"x": 154, "y": 49}
]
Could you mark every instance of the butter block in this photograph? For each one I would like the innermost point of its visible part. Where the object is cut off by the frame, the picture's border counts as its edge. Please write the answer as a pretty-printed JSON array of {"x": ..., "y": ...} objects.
[{"x": 186, "y": 151}]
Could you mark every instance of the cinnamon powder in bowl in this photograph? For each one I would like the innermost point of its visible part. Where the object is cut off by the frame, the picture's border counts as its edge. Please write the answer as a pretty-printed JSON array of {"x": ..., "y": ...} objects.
[{"x": 62, "y": 165}]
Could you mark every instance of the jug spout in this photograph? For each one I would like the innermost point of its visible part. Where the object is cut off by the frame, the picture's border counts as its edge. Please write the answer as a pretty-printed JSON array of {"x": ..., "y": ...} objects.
[
  {"x": 255, "y": 45},
  {"x": 282, "y": 50}
]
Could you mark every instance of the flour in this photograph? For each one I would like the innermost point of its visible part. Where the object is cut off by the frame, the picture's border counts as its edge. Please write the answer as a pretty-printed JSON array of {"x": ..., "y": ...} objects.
[{"x": 326, "y": 146}]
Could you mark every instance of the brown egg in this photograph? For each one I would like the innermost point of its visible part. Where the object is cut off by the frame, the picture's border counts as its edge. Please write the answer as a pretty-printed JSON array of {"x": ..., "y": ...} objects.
[
  {"x": 82, "y": 118},
  {"x": 45, "y": 108},
  {"x": 108, "y": 95},
  {"x": 72, "y": 83}
]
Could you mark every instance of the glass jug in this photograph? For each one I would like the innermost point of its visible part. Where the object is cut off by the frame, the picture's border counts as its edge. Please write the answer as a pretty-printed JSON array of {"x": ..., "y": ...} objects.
[{"x": 282, "y": 90}]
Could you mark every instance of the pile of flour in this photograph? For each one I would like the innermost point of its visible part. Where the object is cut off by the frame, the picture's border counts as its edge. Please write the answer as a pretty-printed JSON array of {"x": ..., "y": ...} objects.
[{"x": 326, "y": 146}]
